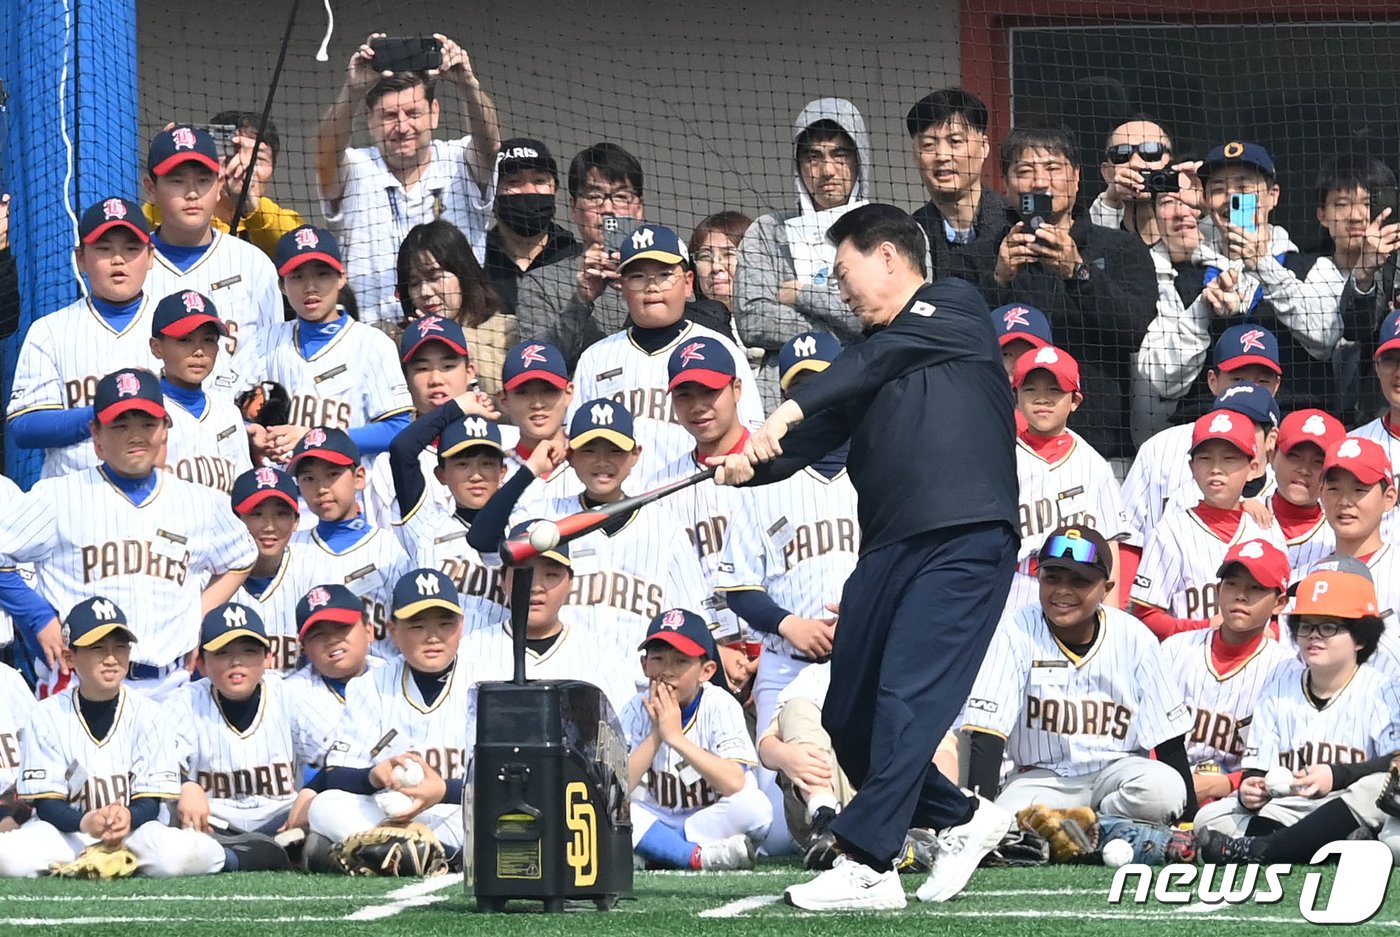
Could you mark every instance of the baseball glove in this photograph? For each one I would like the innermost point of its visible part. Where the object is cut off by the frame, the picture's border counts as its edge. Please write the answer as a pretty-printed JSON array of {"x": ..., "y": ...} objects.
[
  {"x": 1019, "y": 849},
  {"x": 1389, "y": 801},
  {"x": 267, "y": 404},
  {"x": 1070, "y": 832},
  {"x": 409, "y": 851},
  {"x": 98, "y": 862}
]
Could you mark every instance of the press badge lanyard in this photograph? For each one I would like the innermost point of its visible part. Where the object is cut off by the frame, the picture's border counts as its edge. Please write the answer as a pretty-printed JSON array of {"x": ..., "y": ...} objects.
[{"x": 400, "y": 223}]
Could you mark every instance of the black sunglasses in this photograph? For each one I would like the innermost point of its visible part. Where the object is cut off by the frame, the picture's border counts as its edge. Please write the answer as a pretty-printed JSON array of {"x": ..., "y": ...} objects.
[{"x": 1122, "y": 152}]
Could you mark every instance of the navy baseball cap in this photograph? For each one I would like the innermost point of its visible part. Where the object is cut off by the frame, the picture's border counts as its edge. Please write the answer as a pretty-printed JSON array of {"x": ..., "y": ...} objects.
[
  {"x": 229, "y": 622},
  {"x": 328, "y": 603},
  {"x": 255, "y": 486},
  {"x": 603, "y": 419},
  {"x": 704, "y": 361},
  {"x": 128, "y": 389},
  {"x": 93, "y": 619},
  {"x": 685, "y": 631},
  {"x": 1237, "y": 153},
  {"x": 1389, "y": 335},
  {"x": 1252, "y": 401},
  {"x": 333, "y": 445},
  {"x": 559, "y": 553},
  {"x": 1246, "y": 344},
  {"x": 521, "y": 153},
  {"x": 114, "y": 212},
  {"x": 467, "y": 433},
  {"x": 179, "y": 314},
  {"x": 182, "y": 144},
  {"x": 1080, "y": 549},
  {"x": 305, "y": 244},
  {"x": 1019, "y": 321},
  {"x": 653, "y": 242},
  {"x": 427, "y": 329},
  {"x": 421, "y": 589},
  {"x": 534, "y": 361},
  {"x": 810, "y": 351}
]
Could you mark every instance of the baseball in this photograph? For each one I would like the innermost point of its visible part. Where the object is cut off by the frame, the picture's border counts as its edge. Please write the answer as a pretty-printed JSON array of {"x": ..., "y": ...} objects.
[
  {"x": 544, "y": 536},
  {"x": 1117, "y": 852},
  {"x": 393, "y": 803},
  {"x": 409, "y": 773},
  {"x": 1279, "y": 781}
]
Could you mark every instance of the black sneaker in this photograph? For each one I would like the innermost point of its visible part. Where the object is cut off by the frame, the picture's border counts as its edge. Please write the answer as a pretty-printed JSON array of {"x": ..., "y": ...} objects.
[
  {"x": 1215, "y": 848},
  {"x": 822, "y": 853},
  {"x": 256, "y": 852}
]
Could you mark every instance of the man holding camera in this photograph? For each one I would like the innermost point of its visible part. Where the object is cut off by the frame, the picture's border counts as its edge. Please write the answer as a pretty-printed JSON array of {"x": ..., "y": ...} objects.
[
  {"x": 1136, "y": 161},
  {"x": 1095, "y": 284},
  {"x": 372, "y": 196}
]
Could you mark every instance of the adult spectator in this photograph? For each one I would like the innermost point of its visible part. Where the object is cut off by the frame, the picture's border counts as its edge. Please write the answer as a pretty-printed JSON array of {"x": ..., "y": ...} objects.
[
  {"x": 714, "y": 250},
  {"x": 525, "y": 236},
  {"x": 372, "y": 196},
  {"x": 784, "y": 284},
  {"x": 949, "y": 133},
  {"x": 1135, "y": 147},
  {"x": 1244, "y": 270},
  {"x": 1095, "y": 284},
  {"x": 438, "y": 276}
]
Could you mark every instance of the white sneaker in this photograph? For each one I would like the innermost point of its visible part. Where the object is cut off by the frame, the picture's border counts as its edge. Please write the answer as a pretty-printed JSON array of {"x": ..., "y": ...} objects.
[
  {"x": 961, "y": 848},
  {"x": 733, "y": 852},
  {"x": 848, "y": 886}
]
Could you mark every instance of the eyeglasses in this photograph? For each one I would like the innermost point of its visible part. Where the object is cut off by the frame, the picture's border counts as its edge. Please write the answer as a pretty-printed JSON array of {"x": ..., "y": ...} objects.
[
  {"x": 711, "y": 256},
  {"x": 1076, "y": 548},
  {"x": 622, "y": 198},
  {"x": 1323, "y": 629},
  {"x": 1149, "y": 150},
  {"x": 636, "y": 282}
]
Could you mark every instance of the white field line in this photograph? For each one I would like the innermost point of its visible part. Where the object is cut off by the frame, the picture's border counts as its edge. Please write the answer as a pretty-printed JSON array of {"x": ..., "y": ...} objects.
[
  {"x": 109, "y": 920},
  {"x": 742, "y": 906},
  {"x": 416, "y": 895},
  {"x": 202, "y": 899}
]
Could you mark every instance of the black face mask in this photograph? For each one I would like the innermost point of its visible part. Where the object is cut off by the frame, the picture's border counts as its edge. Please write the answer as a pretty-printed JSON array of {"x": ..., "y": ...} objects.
[{"x": 528, "y": 214}]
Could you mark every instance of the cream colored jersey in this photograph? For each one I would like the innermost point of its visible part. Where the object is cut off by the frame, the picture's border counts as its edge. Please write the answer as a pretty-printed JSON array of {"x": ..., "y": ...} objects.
[
  {"x": 9, "y": 492},
  {"x": 1360, "y": 722},
  {"x": 64, "y": 355},
  {"x": 85, "y": 538},
  {"x": 60, "y": 758},
  {"x": 327, "y": 695},
  {"x": 276, "y": 605},
  {"x": 1069, "y": 714},
  {"x": 210, "y": 449},
  {"x": 369, "y": 569},
  {"x": 16, "y": 703},
  {"x": 1183, "y": 555},
  {"x": 1378, "y": 431},
  {"x": 439, "y": 541},
  {"x": 577, "y": 653},
  {"x": 353, "y": 379},
  {"x": 1222, "y": 703}
]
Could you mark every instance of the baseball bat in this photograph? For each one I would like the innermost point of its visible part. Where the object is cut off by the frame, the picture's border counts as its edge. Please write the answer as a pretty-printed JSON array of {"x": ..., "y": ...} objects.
[{"x": 517, "y": 550}]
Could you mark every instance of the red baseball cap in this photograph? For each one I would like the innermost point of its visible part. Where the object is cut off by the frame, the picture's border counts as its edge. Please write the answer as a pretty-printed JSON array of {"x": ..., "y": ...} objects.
[
  {"x": 1234, "y": 428},
  {"x": 1057, "y": 361},
  {"x": 1318, "y": 427},
  {"x": 1363, "y": 458},
  {"x": 1264, "y": 561}
]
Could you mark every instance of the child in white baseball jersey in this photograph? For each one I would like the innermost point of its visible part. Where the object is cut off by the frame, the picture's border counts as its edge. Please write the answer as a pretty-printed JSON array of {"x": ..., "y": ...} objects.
[
  {"x": 208, "y": 444},
  {"x": 536, "y": 395},
  {"x": 66, "y": 352},
  {"x": 16, "y": 701},
  {"x": 422, "y": 698},
  {"x": 266, "y": 501},
  {"x": 1062, "y": 480},
  {"x": 183, "y": 182},
  {"x": 335, "y": 640},
  {"x": 695, "y": 801},
  {"x": 1303, "y": 440},
  {"x": 21, "y": 608},
  {"x": 339, "y": 372},
  {"x": 343, "y": 547},
  {"x": 1329, "y": 722},
  {"x": 155, "y": 544},
  {"x": 1175, "y": 587},
  {"x": 1221, "y": 670},
  {"x": 1384, "y": 429},
  {"x": 1020, "y": 329},
  {"x": 97, "y": 764},
  {"x": 1077, "y": 695},
  {"x": 631, "y": 366}
]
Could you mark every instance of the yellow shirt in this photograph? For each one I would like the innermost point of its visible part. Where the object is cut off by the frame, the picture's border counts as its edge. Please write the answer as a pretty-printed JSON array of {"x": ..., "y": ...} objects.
[{"x": 263, "y": 228}]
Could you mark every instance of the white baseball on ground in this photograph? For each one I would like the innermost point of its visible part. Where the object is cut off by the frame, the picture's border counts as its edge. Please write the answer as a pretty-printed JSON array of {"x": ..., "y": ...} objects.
[
  {"x": 544, "y": 536},
  {"x": 1117, "y": 852},
  {"x": 1279, "y": 781}
]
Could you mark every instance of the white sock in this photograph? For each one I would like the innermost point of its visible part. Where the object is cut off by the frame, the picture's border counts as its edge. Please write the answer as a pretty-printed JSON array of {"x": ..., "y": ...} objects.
[{"x": 817, "y": 801}]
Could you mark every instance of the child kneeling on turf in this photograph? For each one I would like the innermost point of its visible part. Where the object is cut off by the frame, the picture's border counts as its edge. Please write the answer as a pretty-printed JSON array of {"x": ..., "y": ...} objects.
[{"x": 695, "y": 799}]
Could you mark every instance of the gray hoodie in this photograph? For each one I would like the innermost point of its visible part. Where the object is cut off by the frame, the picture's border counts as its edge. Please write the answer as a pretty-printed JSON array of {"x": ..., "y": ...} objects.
[{"x": 765, "y": 261}]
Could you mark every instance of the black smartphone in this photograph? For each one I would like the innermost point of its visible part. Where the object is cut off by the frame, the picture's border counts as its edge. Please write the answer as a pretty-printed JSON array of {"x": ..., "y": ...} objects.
[
  {"x": 406, "y": 53},
  {"x": 1036, "y": 209},
  {"x": 616, "y": 231},
  {"x": 1158, "y": 181},
  {"x": 1383, "y": 198},
  {"x": 223, "y": 136}
]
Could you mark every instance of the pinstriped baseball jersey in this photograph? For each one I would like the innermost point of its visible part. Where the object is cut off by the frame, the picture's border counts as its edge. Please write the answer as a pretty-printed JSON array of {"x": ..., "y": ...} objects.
[
  {"x": 60, "y": 758},
  {"x": 381, "y": 501},
  {"x": 620, "y": 369},
  {"x": 354, "y": 379},
  {"x": 84, "y": 536},
  {"x": 8, "y": 492},
  {"x": 242, "y": 282},
  {"x": 211, "y": 449},
  {"x": 540, "y": 498},
  {"x": 579, "y": 653},
  {"x": 16, "y": 703},
  {"x": 1183, "y": 555},
  {"x": 1222, "y": 704},
  {"x": 1079, "y": 488},
  {"x": 625, "y": 579},
  {"x": 277, "y": 607},
  {"x": 1189, "y": 494},
  {"x": 1075, "y": 715},
  {"x": 369, "y": 569},
  {"x": 252, "y": 776},
  {"x": 1378, "y": 431},
  {"x": 1309, "y": 546},
  {"x": 672, "y": 786},
  {"x": 797, "y": 540},
  {"x": 64, "y": 355},
  {"x": 1384, "y": 565},
  {"x": 312, "y": 690},
  {"x": 388, "y": 698},
  {"x": 1360, "y": 722},
  {"x": 439, "y": 541}
]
